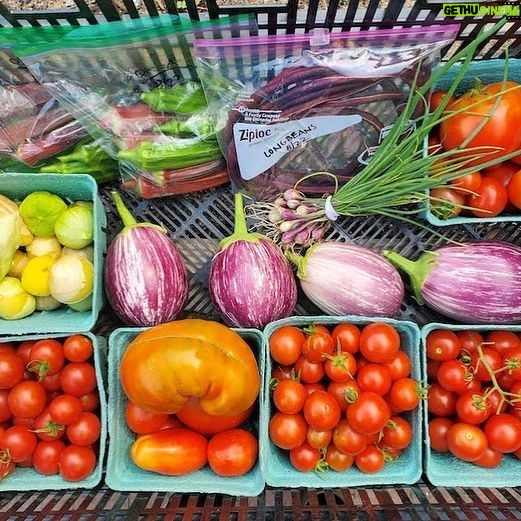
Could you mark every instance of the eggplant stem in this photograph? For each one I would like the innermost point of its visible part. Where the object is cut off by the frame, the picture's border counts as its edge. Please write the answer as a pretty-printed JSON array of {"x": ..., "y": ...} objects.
[{"x": 126, "y": 217}]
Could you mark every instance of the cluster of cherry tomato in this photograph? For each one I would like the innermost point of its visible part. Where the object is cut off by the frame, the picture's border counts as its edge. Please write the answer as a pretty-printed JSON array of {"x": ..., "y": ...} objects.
[
  {"x": 486, "y": 192},
  {"x": 177, "y": 444},
  {"x": 49, "y": 407},
  {"x": 474, "y": 395},
  {"x": 341, "y": 397}
]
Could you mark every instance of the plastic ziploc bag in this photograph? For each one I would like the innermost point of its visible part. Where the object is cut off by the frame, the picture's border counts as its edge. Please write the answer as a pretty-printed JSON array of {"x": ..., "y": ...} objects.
[
  {"x": 133, "y": 84},
  {"x": 308, "y": 110},
  {"x": 33, "y": 127}
]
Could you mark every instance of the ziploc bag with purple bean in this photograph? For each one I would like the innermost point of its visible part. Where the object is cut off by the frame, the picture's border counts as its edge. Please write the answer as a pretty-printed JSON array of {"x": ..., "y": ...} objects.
[
  {"x": 33, "y": 125},
  {"x": 133, "y": 84},
  {"x": 308, "y": 110}
]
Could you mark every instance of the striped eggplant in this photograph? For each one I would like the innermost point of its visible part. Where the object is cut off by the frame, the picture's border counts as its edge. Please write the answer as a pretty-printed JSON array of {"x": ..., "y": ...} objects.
[
  {"x": 145, "y": 278},
  {"x": 251, "y": 283},
  {"x": 474, "y": 283},
  {"x": 347, "y": 279}
]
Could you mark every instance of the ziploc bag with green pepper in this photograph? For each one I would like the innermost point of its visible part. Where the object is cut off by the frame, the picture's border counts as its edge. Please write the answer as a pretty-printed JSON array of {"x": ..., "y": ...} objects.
[
  {"x": 308, "y": 110},
  {"x": 134, "y": 85}
]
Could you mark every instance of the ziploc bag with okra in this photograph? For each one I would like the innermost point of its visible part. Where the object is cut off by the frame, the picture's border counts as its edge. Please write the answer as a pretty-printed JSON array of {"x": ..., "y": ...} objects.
[
  {"x": 134, "y": 85},
  {"x": 309, "y": 110},
  {"x": 37, "y": 134}
]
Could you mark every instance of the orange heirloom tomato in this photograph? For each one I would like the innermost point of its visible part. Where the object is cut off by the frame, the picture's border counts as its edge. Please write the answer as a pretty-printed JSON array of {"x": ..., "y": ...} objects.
[
  {"x": 171, "y": 452},
  {"x": 167, "y": 364}
]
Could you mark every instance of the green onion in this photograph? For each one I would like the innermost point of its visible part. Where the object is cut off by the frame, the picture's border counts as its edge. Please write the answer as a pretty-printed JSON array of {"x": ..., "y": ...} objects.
[{"x": 399, "y": 173}]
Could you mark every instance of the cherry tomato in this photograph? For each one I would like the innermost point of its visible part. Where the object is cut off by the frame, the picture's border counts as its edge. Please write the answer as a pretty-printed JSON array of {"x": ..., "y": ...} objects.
[
  {"x": 288, "y": 431},
  {"x": 347, "y": 440},
  {"x": 374, "y": 377},
  {"x": 85, "y": 430},
  {"x": 232, "y": 452},
  {"x": 468, "y": 182},
  {"x": 46, "y": 358},
  {"x": 492, "y": 362},
  {"x": 337, "y": 460},
  {"x": 514, "y": 189},
  {"x": 512, "y": 361},
  {"x": 438, "y": 428},
  {"x": 77, "y": 348},
  {"x": 19, "y": 441},
  {"x": 46, "y": 457},
  {"x": 489, "y": 200},
  {"x": 405, "y": 394},
  {"x": 472, "y": 408},
  {"x": 77, "y": 462},
  {"x": 305, "y": 458},
  {"x": 437, "y": 97},
  {"x": 503, "y": 341},
  {"x": 282, "y": 372},
  {"x": 65, "y": 409},
  {"x": 340, "y": 367},
  {"x": 440, "y": 401},
  {"x": 317, "y": 345},
  {"x": 370, "y": 460},
  {"x": 318, "y": 439},
  {"x": 503, "y": 432},
  {"x": 469, "y": 339},
  {"x": 139, "y": 420},
  {"x": 78, "y": 378},
  {"x": 446, "y": 202},
  {"x": 309, "y": 372},
  {"x": 453, "y": 375},
  {"x": 90, "y": 401},
  {"x": 379, "y": 342},
  {"x": 23, "y": 350},
  {"x": 344, "y": 392},
  {"x": 5, "y": 412},
  {"x": 7, "y": 347},
  {"x": 51, "y": 383},
  {"x": 397, "y": 433},
  {"x": 490, "y": 460},
  {"x": 27, "y": 399},
  {"x": 369, "y": 413},
  {"x": 400, "y": 366},
  {"x": 347, "y": 335},
  {"x": 285, "y": 344},
  {"x": 467, "y": 442},
  {"x": 46, "y": 428},
  {"x": 442, "y": 345},
  {"x": 289, "y": 396},
  {"x": 321, "y": 410},
  {"x": 12, "y": 370}
]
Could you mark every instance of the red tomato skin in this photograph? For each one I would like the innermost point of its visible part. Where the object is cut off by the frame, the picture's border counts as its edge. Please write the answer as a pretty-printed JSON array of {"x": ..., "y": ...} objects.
[
  {"x": 467, "y": 442},
  {"x": 287, "y": 431},
  {"x": 85, "y": 431},
  {"x": 400, "y": 366},
  {"x": 78, "y": 348},
  {"x": 404, "y": 394},
  {"x": 374, "y": 377},
  {"x": 232, "y": 453},
  {"x": 442, "y": 345},
  {"x": 285, "y": 344},
  {"x": 347, "y": 440},
  {"x": 440, "y": 402},
  {"x": 370, "y": 460},
  {"x": 77, "y": 463},
  {"x": 489, "y": 200},
  {"x": 316, "y": 345},
  {"x": 289, "y": 396},
  {"x": 336, "y": 460},
  {"x": 310, "y": 372},
  {"x": 369, "y": 413},
  {"x": 347, "y": 335},
  {"x": 379, "y": 342},
  {"x": 397, "y": 433},
  {"x": 20, "y": 441},
  {"x": 27, "y": 399},
  {"x": 304, "y": 457},
  {"x": 438, "y": 428},
  {"x": 321, "y": 410},
  {"x": 503, "y": 432},
  {"x": 46, "y": 457},
  {"x": 12, "y": 370},
  {"x": 140, "y": 421},
  {"x": 46, "y": 357},
  {"x": 78, "y": 378}
]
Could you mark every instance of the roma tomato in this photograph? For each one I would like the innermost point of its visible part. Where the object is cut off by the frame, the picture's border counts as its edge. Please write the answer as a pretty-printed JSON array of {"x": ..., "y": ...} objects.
[
  {"x": 141, "y": 421},
  {"x": 77, "y": 462},
  {"x": 171, "y": 452},
  {"x": 489, "y": 200},
  {"x": 193, "y": 416},
  {"x": 289, "y": 396},
  {"x": 379, "y": 342},
  {"x": 467, "y": 442},
  {"x": 496, "y": 118},
  {"x": 285, "y": 344},
  {"x": 288, "y": 431},
  {"x": 305, "y": 458},
  {"x": 232, "y": 452},
  {"x": 369, "y": 413},
  {"x": 321, "y": 410}
]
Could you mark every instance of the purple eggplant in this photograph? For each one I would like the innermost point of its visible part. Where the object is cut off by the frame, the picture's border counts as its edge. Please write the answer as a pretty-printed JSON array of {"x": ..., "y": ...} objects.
[
  {"x": 251, "y": 283},
  {"x": 474, "y": 283},
  {"x": 145, "y": 277},
  {"x": 346, "y": 279}
]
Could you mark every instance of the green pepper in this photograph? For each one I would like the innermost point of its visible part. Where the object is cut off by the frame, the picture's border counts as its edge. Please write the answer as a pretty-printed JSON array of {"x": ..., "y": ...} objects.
[
  {"x": 185, "y": 98},
  {"x": 200, "y": 124}
]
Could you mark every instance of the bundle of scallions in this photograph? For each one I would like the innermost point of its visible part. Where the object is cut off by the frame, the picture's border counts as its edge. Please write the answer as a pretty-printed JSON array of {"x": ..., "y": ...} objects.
[{"x": 399, "y": 173}]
